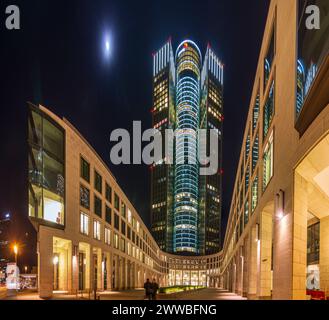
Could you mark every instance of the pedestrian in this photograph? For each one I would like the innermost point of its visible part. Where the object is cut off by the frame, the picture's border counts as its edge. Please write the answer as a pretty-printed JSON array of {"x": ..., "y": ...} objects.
[
  {"x": 155, "y": 288},
  {"x": 148, "y": 289}
]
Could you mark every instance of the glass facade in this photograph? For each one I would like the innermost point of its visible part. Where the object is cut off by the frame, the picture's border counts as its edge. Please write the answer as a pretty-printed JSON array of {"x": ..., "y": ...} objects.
[
  {"x": 313, "y": 48},
  {"x": 188, "y": 60},
  {"x": 46, "y": 168},
  {"x": 268, "y": 111},
  {"x": 268, "y": 162},
  {"x": 269, "y": 57},
  {"x": 187, "y": 96}
]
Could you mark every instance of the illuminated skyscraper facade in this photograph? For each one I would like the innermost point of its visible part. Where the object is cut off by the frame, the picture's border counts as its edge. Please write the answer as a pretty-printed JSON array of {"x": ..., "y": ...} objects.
[{"x": 187, "y": 96}]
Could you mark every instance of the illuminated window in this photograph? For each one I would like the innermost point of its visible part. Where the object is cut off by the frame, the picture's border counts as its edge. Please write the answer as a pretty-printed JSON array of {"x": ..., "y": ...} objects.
[
  {"x": 255, "y": 113},
  {"x": 255, "y": 153},
  {"x": 247, "y": 146},
  {"x": 122, "y": 245},
  {"x": 107, "y": 236},
  {"x": 268, "y": 162},
  {"x": 84, "y": 224},
  {"x": 254, "y": 195},
  {"x": 97, "y": 230},
  {"x": 129, "y": 248},
  {"x": 129, "y": 216},
  {"x": 116, "y": 241},
  {"x": 246, "y": 213}
]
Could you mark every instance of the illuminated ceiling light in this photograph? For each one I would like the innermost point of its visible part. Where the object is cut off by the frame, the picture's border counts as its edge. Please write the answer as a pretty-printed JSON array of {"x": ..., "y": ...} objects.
[{"x": 55, "y": 260}]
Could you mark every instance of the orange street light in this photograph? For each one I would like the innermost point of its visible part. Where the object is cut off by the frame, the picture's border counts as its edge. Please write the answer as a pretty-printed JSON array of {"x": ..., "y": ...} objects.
[{"x": 16, "y": 252}]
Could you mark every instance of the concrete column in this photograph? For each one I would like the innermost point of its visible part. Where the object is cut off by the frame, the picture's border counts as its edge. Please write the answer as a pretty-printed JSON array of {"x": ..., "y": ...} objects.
[
  {"x": 253, "y": 258},
  {"x": 324, "y": 255},
  {"x": 75, "y": 268},
  {"x": 45, "y": 264},
  {"x": 117, "y": 273},
  {"x": 300, "y": 238},
  {"x": 265, "y": 274},
  {"x": 109, "y": 270},
  {"x": 246, "y": 257},
  {"x": 91, "y": 268}
]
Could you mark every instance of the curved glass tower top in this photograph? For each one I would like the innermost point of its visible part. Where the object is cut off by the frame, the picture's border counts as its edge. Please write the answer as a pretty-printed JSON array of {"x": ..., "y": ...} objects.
[
  {"x": 188, "y": 66},
  {"x": 187, "y": 96}
]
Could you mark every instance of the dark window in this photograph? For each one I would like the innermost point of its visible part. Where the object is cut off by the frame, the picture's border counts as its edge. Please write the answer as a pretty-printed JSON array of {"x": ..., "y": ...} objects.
[
  {"x": 108, "y": 215},
  {"x": 53, "y": 141},
  {"x": 123, "y": 227},
  {"x": 108, "y": 193},
  {"x": 98, "y": 206},
  {"x": 116, "y": 202},
  {"x": 84, "y": 197},
  {"x": 85, "y": 170},
  {"x": 98, "y": 182},
  {"x": 129, "y": 233},
  {"x": 116, "y": 221}
]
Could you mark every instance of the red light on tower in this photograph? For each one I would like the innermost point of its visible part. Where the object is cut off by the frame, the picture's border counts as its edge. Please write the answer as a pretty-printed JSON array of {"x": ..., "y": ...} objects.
[{"x": 185, "y": 45}]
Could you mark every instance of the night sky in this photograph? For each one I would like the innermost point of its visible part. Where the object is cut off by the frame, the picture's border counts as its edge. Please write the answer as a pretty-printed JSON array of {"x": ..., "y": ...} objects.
[{"x": 57, "y": 59}]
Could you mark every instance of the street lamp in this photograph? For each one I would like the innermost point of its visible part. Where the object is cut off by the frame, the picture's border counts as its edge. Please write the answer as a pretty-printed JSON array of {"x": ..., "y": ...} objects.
[{"x": 16, "y": 252}]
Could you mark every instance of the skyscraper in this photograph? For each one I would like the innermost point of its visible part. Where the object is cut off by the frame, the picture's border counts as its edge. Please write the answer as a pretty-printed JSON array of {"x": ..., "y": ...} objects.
[{"x": 187, "y": 96}]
